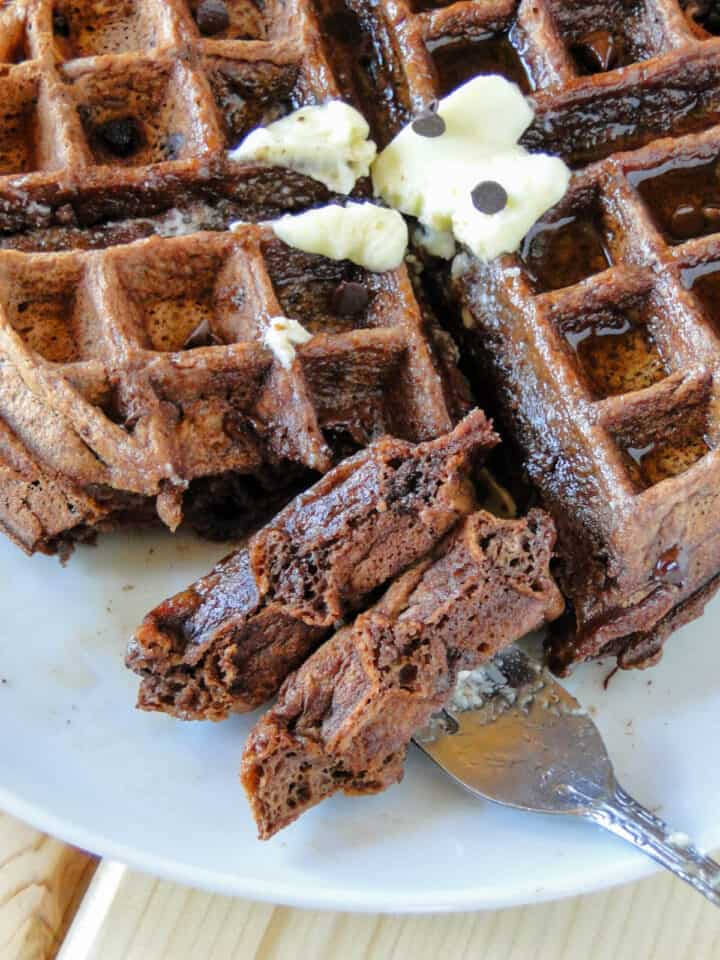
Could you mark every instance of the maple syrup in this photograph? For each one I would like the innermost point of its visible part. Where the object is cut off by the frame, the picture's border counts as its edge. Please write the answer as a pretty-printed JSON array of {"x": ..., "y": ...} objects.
[
  {"x": 617, "y": 355},
  {"x": 683, "y": 196},
  {"x": 564, "y": 252},
  {"x": 704, "y": 281},
  {"x": 660, "y": 460},
  {"x": 459, "y": 60}
]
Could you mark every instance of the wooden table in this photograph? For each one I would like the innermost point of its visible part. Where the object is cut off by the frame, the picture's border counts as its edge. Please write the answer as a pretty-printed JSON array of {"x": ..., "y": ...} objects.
[{"x": 56, "y": 901}]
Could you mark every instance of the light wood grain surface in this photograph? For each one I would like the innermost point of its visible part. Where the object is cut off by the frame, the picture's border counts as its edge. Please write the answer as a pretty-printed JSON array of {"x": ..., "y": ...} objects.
[
  {"x": 55, "y": 904},
  {"x": 41, "y": 884}
]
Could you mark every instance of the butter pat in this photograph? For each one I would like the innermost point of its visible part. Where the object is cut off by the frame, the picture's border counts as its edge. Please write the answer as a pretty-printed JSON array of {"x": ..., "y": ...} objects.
[
  {"x": 281, "y": 336},
  {"x": 433, "y": 178},
  {"x": 370, "y": 236},
  {"x": 328, "y": 143}
]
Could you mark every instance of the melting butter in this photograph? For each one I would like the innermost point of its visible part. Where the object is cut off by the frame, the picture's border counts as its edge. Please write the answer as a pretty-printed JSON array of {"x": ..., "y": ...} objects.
[
  {"x": 281, "y": 336},
  {"x": 433, "y": 178},
  {"x": 372, "y": 237},
  {"x": 328, "y": 142}
]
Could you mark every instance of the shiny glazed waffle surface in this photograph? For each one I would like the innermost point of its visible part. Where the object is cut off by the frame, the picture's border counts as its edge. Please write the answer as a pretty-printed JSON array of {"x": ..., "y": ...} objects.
[{"x": 601, "y": 337}]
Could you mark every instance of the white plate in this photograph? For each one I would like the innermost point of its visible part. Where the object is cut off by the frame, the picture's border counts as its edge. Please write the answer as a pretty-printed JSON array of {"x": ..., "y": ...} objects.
[{"x": 80, "y": 762}]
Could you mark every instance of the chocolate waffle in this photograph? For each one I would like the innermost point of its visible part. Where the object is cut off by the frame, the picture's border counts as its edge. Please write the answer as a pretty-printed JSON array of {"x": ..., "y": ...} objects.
[
  {"x": 598, "y": 342},
  {"x": 229, "y": 641}
]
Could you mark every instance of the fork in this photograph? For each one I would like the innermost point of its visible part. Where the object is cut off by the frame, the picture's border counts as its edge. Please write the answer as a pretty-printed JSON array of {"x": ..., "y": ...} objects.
[{"x": 513, "y": 735}]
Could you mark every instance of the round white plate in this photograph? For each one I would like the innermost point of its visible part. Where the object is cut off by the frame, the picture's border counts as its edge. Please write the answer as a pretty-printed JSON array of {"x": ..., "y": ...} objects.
[{"x": 78, "y": 761}]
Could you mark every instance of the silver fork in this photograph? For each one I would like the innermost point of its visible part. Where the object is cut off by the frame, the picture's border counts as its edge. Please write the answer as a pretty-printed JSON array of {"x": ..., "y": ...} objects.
[{"x": 512, "y": 734}]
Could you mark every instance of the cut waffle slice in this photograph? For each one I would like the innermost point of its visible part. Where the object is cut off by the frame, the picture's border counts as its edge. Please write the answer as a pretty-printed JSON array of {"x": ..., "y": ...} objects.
[
  {"x": 228, "y": 641},
  {"x": 612, "y": 398},
  {"x": 345, "y": 719},
  {"x": 140, "y": 371}
]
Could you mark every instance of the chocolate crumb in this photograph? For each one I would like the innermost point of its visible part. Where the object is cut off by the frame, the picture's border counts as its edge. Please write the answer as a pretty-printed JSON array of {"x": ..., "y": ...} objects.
[
  {"x": 608, "y": 678},
  {"x": 489, "y": 197},
  {"x": 212, "y": 17},
  {"x": 350, "y": 299}
]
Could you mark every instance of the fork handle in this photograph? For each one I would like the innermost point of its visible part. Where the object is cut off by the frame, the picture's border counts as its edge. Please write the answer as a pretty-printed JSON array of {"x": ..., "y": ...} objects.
[{"x": 619, "y": 813}]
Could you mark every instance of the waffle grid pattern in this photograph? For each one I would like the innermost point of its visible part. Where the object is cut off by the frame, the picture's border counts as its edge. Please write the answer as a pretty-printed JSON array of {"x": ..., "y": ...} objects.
[
  {"x": 99, "y": 347},
  {"x": 640, "y": 430}
]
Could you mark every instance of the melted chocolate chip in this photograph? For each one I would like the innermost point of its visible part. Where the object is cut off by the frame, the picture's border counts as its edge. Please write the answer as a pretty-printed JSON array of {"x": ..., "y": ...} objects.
[
  {"x": 122, "y": 136},
  {"x": 350, "y": 299},
  {"x": 201, "y": 336},
  {"x": 212, "y": 17},
  {"x": 429, "y": 124},
  {"x": 408, "y": 674},
  {"x": 597, "y": 51},
  {"x": 672, "y": 566},
  {"x": 60, "y": 24},
  {"x": 687, "y": 220},
  {"x": 489, "y": 197}
]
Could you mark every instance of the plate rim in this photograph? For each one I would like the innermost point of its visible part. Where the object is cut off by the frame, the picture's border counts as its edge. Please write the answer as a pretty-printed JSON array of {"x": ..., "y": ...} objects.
[{"x": 489, "y": 897}]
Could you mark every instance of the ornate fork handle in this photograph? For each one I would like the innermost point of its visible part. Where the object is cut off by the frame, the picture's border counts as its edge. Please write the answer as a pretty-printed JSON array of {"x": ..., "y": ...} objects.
[{"x": 619, "y": 813}]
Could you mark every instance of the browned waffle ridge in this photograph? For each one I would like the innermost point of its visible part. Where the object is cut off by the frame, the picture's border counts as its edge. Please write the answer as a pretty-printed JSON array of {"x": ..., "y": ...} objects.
[
  {"x": 345, "y": 719},
  {"x": 230, "y": 640}
]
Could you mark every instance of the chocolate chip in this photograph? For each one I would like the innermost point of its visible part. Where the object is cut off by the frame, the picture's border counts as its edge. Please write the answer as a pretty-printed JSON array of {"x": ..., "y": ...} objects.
[
  {"x": 212, "y": 17},
  {"x": 686, "y": 221},
  {"x": 408, "y": 674},
  {"x": 350, "y": 299},
  {"x": 597, "y": 51},
  {"x": 429, "y": 123},
  {"x": 489, "y": 197},
  {"x": 60, "y": 24},
  {"x": 672, "y": 567},
  {"x": 201, "y": 336},
  {"x": 174, "y": 142},
  {"x": 122, "y": 136}
]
